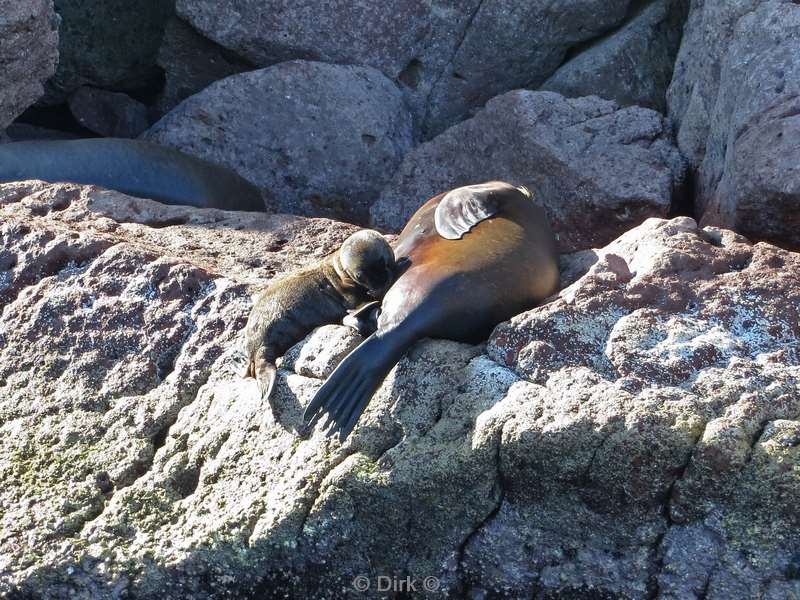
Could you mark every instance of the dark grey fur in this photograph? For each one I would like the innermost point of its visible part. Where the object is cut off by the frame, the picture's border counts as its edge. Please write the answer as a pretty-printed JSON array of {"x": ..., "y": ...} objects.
[
  {"x": 132, "y": 167},
  {"x": 289, "y": 309}
]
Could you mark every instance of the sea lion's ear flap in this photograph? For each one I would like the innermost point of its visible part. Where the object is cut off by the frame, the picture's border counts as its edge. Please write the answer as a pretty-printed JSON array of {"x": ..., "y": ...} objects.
[{"x": 463, "y": 208}]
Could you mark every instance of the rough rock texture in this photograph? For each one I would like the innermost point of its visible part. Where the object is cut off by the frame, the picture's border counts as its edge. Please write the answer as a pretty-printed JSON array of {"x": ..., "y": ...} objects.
[
  {"x": 635, "y": 438},
  {"x": 28, "y": 54},
  {"x": 749, "y": 179},
  {"x": 633, "y": 65},
  {"x": 109, "y": 114},
  {"x": 107, "y": 43},
  {"x": 408, "y": 41},
  {"x": 319, "y": 139},
  {"x": 512, "y": 45},
  {"x": 695, "y": 85},
  {"x": 597, "y": 169},
  {"x": 191, "y": 63},
  {"x": 450, "y": 57}
]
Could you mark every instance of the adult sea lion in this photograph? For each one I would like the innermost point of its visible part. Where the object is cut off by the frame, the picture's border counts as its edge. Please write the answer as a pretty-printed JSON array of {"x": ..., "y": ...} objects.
[
  {"x": 360, "y": 271},
  {"x": 475, "y": 256},
  {"x": 133, "y": 167}
]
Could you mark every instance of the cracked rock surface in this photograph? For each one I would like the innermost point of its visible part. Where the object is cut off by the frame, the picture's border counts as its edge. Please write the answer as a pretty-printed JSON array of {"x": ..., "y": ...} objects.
[{"x": 637, "y": 437}]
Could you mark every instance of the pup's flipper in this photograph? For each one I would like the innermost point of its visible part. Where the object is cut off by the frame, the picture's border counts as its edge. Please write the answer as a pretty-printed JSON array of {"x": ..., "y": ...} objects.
[
  {"x": 265, "y": 372},
  {"x": 364, "y": 319}
]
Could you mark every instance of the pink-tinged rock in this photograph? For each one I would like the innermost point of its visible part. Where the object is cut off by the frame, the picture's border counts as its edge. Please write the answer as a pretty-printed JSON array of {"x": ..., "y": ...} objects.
[{"x": 634, "y": 438}]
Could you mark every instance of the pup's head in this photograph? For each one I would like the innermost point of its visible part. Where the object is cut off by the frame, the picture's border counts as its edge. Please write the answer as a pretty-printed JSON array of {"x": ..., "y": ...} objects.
[{"x": 368, "y": 260}]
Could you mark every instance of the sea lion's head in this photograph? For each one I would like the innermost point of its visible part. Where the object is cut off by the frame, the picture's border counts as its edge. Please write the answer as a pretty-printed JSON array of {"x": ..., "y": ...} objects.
[{"x": 368, "y": 259}]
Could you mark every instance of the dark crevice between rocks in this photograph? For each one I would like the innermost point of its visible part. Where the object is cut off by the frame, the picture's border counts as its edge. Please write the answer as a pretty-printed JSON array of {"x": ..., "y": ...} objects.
[
  {"x": 684, "y": 198},
  {"x": 706, "y": 585},
  {"x": 500, "y": 487},
  {"x": 754, "y": 440},
  {"x": 411, "y": 74},
  {"x": 186, "y": 482},
  {"x": 48, "y": 121},
  {"x": 56, "y": 118},
  {"x": 164, "y": 223}
]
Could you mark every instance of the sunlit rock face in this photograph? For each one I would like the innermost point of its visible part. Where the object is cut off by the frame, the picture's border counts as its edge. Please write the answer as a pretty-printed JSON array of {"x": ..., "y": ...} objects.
[{"x": 635, "y": 437}]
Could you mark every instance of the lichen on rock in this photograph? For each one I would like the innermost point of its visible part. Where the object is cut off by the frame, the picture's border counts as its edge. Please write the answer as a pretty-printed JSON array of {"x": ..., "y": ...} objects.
[{"x": 635, "y": 437}]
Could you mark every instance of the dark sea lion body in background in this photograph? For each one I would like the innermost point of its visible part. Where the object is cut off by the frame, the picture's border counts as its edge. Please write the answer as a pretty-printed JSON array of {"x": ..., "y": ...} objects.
[
  {"x": 132, "y": 167},
  {"x": 476, "y": 256},
  {"x": 290, "y": 308}
]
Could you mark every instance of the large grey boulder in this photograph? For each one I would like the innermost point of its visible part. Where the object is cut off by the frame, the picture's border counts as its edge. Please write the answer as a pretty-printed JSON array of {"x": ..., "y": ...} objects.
[
  {"x": 319, "y": 139},
  {"x": 633, "y": 65},
  {"x": 596, "y": 168},
  {"x": 635, "y": 438},
  {"x": 28, "y": 54},
  {"x": 749, "y": 178},
  {"x": 450, "y": 57},
  {"x": 693, "y": 92},
  {"x": 511, "y": 45},
  {"x": 109, "y": 44},
  {"x": 408, "y": 41}
]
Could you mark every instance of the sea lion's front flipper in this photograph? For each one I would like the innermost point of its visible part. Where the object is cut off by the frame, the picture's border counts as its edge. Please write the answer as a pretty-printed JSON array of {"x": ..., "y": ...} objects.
[
  {"x": 364, "y": 319},
  {"x": 265, "y": 372},
  {"x": 348, "y": 390},
  {"x": 463, "y": 208}
]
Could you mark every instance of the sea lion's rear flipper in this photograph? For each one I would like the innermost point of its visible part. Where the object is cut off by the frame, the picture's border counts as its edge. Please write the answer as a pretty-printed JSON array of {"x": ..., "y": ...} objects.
[
  {"x": 348, "y": 390},
  {"x": 364, "y": 319},
  {"x": 264, "y": 371},
  {"x": 463, "y": 208}
]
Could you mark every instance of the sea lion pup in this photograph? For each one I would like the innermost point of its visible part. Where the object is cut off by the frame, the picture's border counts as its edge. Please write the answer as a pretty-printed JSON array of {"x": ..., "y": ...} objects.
[
  {"x": 289, "y": 309},
  {"x": 132, "y": 167},
  {"x": 476, "y": 256}
]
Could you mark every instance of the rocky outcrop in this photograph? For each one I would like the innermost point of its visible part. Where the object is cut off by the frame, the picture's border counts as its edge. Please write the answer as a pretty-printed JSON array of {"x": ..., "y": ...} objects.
[
  {"x": 695, "y": 85},
  {"x": 409, "y": 42},
  {"x": 110, "y": 44},
  {"x": 596, "y": 168},
  {"x": 319, "y": 139},
  {"x": 749, "y": 178},
  {"x": 28, "y": 54},
  {"x": 634, "y": 438},
  {"x": 510, "y": 45},
  {"x": 450, "y": 58},
  {"x": 109, "y": 114},
  {"x": 734, "y": 101},
  {"x": 631, "y": 66}
]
